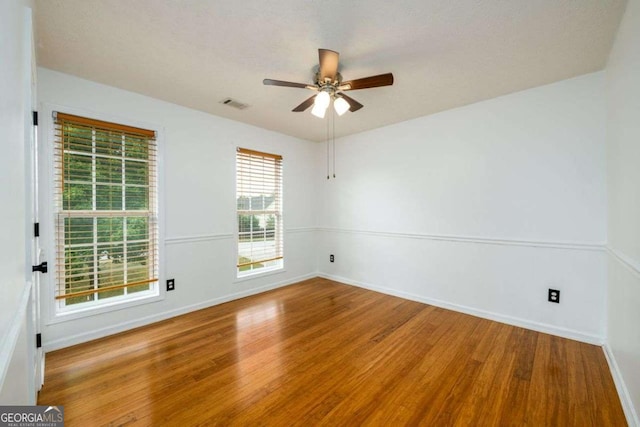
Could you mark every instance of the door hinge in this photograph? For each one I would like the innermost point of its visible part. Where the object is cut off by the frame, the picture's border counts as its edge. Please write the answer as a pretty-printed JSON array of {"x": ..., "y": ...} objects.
[
  {"x": 35, "y": 118},
  {"x": 42, "y": 267},
  {"x": 36, "y": 229},
  {"x": 38, "y": 340}
]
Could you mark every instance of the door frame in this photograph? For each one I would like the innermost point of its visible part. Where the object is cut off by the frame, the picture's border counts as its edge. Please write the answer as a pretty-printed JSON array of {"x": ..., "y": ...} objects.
[{"x": 34, "y": 253}]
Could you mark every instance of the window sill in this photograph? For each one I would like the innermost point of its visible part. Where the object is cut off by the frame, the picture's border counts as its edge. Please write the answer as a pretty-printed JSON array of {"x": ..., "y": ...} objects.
[
  {"x": 103, "y": 308},
  {"x": 256, "y": 275}
]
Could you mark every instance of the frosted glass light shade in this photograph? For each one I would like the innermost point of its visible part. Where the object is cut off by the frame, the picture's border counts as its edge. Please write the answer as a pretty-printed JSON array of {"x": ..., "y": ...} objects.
[
  {"x": 322, "y": 100},
  {"x": 318, "y": 110},
  {"x": 341, "y": 106}
]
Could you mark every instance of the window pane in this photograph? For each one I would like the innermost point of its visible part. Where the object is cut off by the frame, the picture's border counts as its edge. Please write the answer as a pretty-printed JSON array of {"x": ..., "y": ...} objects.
[
  {"x": 247, "y": 224},
  {"x": 108, "y": 170},
  {"x": 110, "y": 230},
  {"x": 243, "y": 203},
  {"x": 77, "y": 197},
  {"x": 270, "y": 226},
  {"x": 78, "y": 231},
  {"x": 79, "y": 299},
  {"x": 79, "y": 266},
  {"x": 78, "y": 138},
  {"x": 108, "y": 143},
  {"x": 137, "y": 198},
  {"x": 111, "y": 269},
  {"x": 136, "y": 173},
  {"x": 138, "y": 261},
  {"x": 137, "y": 228},
  {"x": 109, "y": 197},
  {"x": 138, "y": 288},
  {"x": 138, "y": 265},
  {"x": 137, "y": 148},
  {"x": 79, "y": 275},
  {"x": 245, "y": 265},
  {"x": 77, "y": 168},
  {"x": 111, "y": 293}
]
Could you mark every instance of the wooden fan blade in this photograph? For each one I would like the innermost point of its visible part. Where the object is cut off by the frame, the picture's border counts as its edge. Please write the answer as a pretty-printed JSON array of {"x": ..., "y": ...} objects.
[
  {"x": 283, "y": 83},
  {"x": 306, "y": 104},
  {"x": 328, "y": 63},
  {"x": 353, "y": 104},
  {"x": 368, "y": 82}
]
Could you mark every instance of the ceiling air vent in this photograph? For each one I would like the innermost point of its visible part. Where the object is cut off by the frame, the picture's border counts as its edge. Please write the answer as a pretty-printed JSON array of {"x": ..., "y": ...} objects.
[{"x": 234, "y": 104}]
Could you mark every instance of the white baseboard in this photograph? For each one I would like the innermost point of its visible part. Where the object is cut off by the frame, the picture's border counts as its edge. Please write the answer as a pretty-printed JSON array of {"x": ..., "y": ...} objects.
[
  {"x": 623, "y": 393},
  {"x": 125, "y": 326},
  {"x": 509, "y": 320}
]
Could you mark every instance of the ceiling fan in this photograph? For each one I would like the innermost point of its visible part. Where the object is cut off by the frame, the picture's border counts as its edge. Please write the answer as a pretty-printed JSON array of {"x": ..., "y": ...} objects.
[{"x": 330, "y": 86}]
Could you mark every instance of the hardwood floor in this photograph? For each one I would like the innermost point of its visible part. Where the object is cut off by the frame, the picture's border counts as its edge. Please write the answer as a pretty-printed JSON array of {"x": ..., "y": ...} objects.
[{"x": 320, "y": 352}]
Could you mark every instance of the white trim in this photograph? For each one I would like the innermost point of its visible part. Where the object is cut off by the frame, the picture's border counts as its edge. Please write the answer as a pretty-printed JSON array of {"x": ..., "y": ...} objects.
[
  {"x": 301, "y": 230},
  {"x": 509, "y": 320},
  {"x": 107, "y": 307},
  {"x": 256, "y": 274},
  {"x": 623, "y": 392},
  {"x": 177, "y": 240},
  {"x": 626, "y": 261},
  {"x": 125, "y": 326},
  {"x": 196, "y": 238},
  {"x": 582, "y": 246},
  {"x": 12, "y": 333}
]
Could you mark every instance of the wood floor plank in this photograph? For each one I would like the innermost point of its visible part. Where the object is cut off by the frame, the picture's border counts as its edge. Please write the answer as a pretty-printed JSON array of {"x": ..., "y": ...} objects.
[
  {"x": 322, "y": 353},
  {"x": 486, "y": 398}
]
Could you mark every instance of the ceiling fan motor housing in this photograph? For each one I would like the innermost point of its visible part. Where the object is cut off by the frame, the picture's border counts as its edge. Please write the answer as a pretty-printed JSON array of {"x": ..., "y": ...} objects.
[{"x": 327, "y": 81}]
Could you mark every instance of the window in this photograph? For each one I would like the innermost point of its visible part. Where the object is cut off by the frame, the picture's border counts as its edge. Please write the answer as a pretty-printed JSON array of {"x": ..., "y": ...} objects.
[
  {"x": 106, "y": 212},
  {"x": 259, "y": 205}
]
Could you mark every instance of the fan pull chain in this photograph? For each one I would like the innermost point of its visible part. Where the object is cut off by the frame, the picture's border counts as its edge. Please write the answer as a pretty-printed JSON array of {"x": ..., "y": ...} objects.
[
  {"x": 333, "y": 121},
  {"x": 331, "y": 143},
  {"x": 327, "y": 149}
]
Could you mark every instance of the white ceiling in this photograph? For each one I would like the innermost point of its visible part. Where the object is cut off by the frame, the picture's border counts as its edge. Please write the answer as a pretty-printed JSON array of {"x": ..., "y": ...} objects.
[{"x": 443, "y": 54}]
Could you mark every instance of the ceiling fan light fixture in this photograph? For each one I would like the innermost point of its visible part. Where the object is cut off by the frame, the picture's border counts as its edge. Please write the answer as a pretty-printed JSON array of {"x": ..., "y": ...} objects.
[
  {"x": 340, "y": 105},
  {"x": 318, "y": 110},
  {"x": 329, "y": 86}
]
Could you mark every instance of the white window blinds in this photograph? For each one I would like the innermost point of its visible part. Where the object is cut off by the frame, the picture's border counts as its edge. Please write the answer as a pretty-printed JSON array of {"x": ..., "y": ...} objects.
[
  {"x": 259, "y": 210},
  {"x": 106, "y": 210}
]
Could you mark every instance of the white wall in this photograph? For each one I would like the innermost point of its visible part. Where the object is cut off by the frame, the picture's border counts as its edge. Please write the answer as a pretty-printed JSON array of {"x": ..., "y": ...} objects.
[
  {"x": 623, "y": 174},
  {"x": 199, "y": 203},
  {"x": 481, "y": 209},
  {"x": 16, "y": 342}
]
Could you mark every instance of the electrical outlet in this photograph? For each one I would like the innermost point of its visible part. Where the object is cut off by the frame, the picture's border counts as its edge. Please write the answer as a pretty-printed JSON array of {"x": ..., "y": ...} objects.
[
  {"x": 554, "y": 296},
  {"x": 171, "y": 284},
  {"x": 331, "y": 258}
]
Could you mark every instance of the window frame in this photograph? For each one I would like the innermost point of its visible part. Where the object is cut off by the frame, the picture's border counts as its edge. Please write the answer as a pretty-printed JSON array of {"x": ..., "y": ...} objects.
[
  {"x": 278, "y": 264},
  {"x": 48, "y": 213}
]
